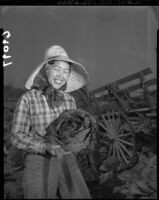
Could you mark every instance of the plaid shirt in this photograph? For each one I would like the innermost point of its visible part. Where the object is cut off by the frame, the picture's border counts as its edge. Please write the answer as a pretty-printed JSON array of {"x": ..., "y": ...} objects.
[{"x": 32, "y": 116}]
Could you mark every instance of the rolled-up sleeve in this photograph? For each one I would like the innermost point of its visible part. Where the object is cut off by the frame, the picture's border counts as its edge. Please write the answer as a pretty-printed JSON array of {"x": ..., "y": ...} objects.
[{"x": 20, "y": 137}]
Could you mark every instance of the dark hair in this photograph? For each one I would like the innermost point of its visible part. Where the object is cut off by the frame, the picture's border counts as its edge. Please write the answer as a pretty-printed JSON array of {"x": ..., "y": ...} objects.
[{"x": 51, "y": 62}]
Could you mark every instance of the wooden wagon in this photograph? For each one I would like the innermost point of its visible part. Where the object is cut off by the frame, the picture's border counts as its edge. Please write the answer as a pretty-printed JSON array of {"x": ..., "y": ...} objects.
[{"x": 123, "y": 108}]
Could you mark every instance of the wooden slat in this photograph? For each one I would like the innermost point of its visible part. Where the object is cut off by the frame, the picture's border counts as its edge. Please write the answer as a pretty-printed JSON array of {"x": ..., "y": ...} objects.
[
  {"x": 151, "y": 114},
  {"x": 102, "y": 98},
  {"x": 138, "y": 86},
  {"x": 101, "y": 89},
  {"x": 139, "y": 109},
  {"x": 130, "y": 88},
  {"x": 133, "y": 76},
  {"x": 140, "y": 97}
]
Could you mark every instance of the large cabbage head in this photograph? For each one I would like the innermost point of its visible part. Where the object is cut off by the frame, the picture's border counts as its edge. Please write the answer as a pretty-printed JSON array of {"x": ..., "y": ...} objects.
[{"x": 73, "y": 130}]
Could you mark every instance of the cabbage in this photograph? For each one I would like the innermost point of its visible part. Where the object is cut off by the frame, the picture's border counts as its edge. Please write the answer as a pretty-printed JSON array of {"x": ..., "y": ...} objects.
[{"x": 73, "y": 130}]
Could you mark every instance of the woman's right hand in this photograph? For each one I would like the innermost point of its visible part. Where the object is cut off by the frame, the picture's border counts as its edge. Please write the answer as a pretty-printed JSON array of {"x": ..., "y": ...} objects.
[{"x": 54, "y": 150}]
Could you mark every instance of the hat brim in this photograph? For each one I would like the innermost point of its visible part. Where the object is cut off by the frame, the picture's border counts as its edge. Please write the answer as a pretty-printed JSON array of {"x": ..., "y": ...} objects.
[{"x": 77, "y": 79}]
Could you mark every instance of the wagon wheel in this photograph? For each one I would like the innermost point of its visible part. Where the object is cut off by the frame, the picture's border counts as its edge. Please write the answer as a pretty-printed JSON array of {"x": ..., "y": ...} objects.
[{"x": 118, "y": 130}]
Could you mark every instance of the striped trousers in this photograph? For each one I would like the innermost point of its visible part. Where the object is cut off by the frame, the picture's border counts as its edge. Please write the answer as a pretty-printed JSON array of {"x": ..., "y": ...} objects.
[{"x": 52, "y": 178}]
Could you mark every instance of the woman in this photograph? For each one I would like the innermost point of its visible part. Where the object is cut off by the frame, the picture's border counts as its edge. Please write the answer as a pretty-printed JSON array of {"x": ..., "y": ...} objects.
[{"x": 47, "y": 97}]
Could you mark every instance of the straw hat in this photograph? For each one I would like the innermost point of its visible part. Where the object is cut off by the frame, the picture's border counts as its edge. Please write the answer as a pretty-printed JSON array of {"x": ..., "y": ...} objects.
[{"x": 78, "y": 75}]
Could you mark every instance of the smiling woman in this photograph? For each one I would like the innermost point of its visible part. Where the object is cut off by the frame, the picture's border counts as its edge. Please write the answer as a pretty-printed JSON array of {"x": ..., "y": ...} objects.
[
  {"x": 58, "y": 73},
  {"x": 48, "y": 97}
]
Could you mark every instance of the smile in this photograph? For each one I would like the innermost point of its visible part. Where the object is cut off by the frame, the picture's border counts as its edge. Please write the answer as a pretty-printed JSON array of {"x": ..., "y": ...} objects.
[{"x": 58, "y": 81}]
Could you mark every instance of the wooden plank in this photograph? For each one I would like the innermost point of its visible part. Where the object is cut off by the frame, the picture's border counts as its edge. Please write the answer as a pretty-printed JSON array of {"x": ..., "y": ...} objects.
[
  {"x": 133, "y": 76},
  {"x": 102, "y": 98},
  {"x": 140, "y": 97},
  {"x": 139, "y": 109},
  {"x": 151, "y": 114},
  {"x": 106, "y": 97},
  {"x": 98, "y": 90},
  {"x": 130, "y": 89},
  {"x": 138, "y": 86}
]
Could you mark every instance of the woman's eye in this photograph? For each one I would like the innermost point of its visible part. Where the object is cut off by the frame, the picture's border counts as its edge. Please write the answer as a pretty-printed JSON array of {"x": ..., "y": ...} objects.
[{"x": 66, "y": 72}]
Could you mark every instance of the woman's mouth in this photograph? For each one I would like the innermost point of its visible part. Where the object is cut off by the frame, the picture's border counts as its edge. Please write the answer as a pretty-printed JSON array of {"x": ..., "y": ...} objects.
[{"x": 57, "y": 81}]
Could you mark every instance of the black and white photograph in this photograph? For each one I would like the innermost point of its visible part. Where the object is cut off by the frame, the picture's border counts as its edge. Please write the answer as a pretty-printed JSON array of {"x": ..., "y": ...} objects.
[{"x": 80, "y": 101}]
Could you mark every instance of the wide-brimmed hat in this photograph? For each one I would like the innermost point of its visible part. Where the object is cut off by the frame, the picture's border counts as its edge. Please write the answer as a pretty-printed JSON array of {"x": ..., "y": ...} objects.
[{"x": 78, "y": 75}]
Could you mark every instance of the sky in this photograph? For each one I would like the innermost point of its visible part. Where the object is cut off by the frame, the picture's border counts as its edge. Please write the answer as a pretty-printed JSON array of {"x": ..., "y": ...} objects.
[{"x": 85, "y": 32}]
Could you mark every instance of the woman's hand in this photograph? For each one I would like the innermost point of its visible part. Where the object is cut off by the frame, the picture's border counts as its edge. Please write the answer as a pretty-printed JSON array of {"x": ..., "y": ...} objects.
[{"x": 54, "y": 150}]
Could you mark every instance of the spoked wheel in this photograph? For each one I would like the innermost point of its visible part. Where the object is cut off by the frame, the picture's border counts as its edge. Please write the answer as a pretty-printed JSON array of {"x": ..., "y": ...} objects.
[{"x": 119, "y": 132}]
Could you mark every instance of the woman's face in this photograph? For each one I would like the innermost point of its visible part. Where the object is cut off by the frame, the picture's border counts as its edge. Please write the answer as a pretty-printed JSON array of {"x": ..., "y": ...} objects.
[{"x": 58, "y": 73}]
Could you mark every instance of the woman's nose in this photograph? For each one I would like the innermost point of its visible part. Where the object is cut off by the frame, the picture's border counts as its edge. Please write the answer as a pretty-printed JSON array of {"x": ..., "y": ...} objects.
[{"x": 60, "y": 74}]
